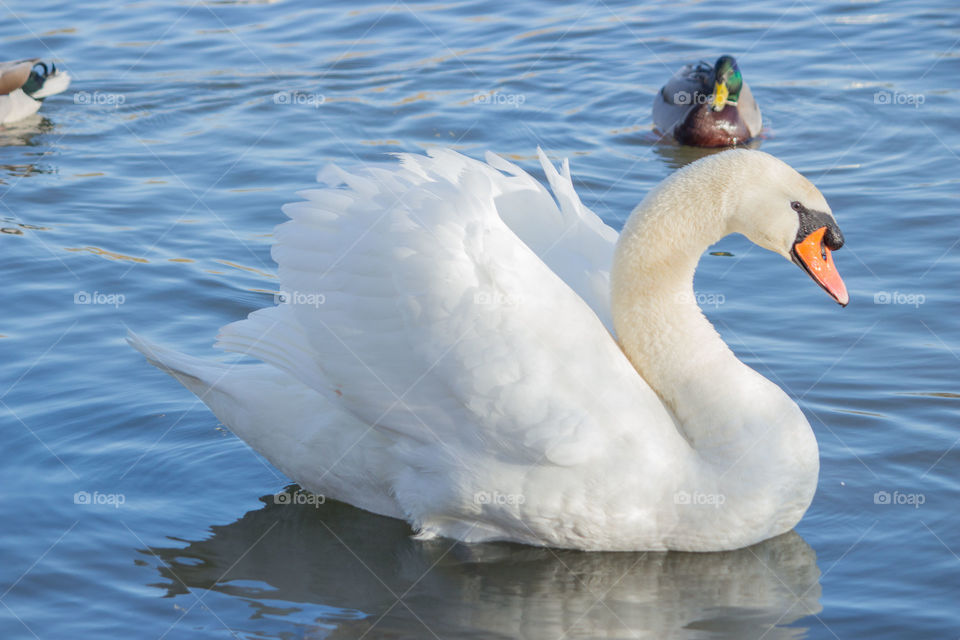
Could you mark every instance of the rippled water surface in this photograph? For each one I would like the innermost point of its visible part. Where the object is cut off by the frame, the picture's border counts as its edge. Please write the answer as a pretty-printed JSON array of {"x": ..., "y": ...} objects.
[{"x": 152, "y": 187}]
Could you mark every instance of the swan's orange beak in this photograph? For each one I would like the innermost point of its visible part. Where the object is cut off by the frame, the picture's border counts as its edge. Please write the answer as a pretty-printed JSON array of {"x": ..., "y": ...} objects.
[{"x": 815, "y": 258}]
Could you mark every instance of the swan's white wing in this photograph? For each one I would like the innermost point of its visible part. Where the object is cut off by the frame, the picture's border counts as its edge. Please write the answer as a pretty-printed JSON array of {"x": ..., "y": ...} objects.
[
  {"x": 571, "y": 239},
  {"x": 416, "y": 307}
]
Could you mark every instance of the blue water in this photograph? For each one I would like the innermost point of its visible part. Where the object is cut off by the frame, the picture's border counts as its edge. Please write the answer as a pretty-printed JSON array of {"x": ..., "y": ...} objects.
[{"x": 152, "y": 187}]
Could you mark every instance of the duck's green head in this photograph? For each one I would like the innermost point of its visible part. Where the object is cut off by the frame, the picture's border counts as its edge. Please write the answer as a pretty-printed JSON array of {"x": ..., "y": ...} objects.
[
  {"x": 728, "y": 83},
  {"x": 35, "y": 82}
]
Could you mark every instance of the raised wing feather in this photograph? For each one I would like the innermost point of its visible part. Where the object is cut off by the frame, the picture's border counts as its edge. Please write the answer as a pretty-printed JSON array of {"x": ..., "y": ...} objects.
[{"x": 414, "y": 304}]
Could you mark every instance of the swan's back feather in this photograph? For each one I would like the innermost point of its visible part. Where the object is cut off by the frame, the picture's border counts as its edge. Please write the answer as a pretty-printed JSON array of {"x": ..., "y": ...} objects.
[{"x": 437, "y": 317}]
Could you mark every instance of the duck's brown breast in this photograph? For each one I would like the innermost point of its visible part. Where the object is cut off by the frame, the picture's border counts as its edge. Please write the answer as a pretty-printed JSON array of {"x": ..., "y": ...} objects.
[{"x": 704, "y": 127}]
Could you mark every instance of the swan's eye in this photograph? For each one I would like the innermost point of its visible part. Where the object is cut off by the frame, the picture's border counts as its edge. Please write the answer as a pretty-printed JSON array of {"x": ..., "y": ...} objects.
[{"x": 796, "y": 206}]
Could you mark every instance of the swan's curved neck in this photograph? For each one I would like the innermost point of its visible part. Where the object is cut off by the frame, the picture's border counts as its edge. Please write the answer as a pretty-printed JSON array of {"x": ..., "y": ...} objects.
[
  {"x": 751, "y": 443},
  {"x": 662, "y": 330}
]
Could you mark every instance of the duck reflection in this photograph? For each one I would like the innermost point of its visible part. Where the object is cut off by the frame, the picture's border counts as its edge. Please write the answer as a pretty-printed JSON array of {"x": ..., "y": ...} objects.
[
  {"x": 677, "y": 156},
  {"x": 25, "y": 133},
  {"x": 354, "y": 566},
  {"x": 22, "y": 132}
]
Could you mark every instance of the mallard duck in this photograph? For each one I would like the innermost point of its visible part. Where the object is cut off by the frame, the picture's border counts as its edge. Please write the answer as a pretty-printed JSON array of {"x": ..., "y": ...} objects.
[
  {"x": 24, "y": 84},
  {"x": 708, "y": 106},
  {"x": 459, "y": 348}
]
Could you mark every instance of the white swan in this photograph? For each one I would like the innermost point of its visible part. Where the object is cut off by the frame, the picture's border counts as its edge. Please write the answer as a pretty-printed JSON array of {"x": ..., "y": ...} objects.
[
  {"x": 23, "y": 86},
  {"x": 445, "y": 356}
]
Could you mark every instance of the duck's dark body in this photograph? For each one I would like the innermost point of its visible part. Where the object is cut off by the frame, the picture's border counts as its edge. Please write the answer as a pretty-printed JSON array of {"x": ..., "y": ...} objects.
[
  {"x": 704, "y": 127},
  {"x": 682, "y": 109}
]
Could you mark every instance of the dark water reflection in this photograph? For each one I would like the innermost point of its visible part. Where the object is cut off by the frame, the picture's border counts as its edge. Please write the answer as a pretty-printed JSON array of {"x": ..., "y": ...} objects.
[
  {"x": 359, "y": 573},
  {"x": 675, "y": 156}
]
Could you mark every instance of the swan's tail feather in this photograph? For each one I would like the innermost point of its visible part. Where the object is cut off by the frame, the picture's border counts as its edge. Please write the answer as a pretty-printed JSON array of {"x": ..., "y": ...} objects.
[
  {"x": 244, "y": 397},
  {"x": 273, "y": 336},
  {"x": 300, "y": 432},
  {"x": 196, "y": 374}
]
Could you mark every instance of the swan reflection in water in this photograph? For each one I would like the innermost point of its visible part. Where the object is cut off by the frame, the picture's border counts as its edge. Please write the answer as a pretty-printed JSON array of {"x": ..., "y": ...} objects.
[{"x": 345, "y": 568}]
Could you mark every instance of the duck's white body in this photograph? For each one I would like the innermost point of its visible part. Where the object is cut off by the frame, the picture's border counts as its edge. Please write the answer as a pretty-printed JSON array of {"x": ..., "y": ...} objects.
[{"x": 447, "y": 356}]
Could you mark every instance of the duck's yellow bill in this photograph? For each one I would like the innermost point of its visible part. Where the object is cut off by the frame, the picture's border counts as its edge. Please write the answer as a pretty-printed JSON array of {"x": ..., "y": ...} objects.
[
  {"x": 817, "y": 261},
  {"x": 720, "y": 93}
]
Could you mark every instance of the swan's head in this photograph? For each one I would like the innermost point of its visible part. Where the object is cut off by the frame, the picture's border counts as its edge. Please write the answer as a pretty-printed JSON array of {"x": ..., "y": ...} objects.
[{"x": 782, "y": 211}]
